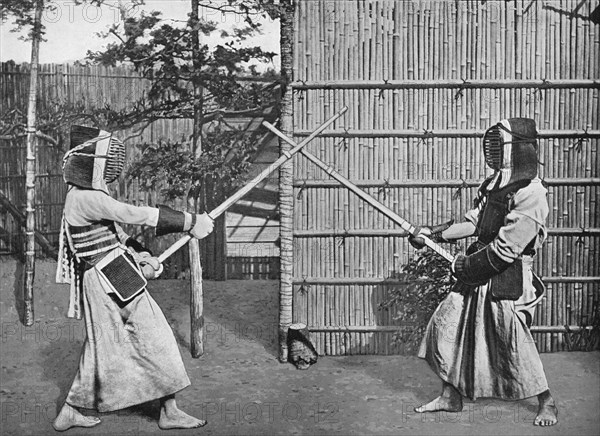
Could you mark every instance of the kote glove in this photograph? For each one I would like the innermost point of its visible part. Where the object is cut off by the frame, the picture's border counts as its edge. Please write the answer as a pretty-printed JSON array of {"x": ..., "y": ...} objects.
[
  {"x": 202, "y": 227},
  {"x": 477, "y": 268},
  {"x": 418, "y": 242},
  {"x": 151, "y": 267}
]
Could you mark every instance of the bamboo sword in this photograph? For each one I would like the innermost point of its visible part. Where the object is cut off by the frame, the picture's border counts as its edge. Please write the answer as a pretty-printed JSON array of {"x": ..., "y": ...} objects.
[
  {"x": 253, "y": 183},
  {"x": 366, "y": 197}
]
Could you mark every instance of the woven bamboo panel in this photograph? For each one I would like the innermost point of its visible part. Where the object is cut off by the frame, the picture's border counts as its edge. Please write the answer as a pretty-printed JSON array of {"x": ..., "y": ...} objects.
[{"x": 412, "y": 138}]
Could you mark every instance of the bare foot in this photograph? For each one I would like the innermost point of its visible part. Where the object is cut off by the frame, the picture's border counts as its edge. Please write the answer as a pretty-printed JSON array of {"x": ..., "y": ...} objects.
[
  {"x": 441, "y": 403},
  {"x": 176, "y": 418},
  {"x": 70, "y": 417},
  {"x": 547, "y": 412}
]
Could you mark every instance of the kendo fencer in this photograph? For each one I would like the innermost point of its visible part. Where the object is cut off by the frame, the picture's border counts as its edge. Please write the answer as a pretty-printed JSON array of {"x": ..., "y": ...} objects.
[
  {"x": 478, "y": 339},
  {"x": 130, "y": 355}
]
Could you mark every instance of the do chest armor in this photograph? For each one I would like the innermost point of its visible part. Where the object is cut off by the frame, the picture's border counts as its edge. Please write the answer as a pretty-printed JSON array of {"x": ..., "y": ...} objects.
[
  {"x": 509, "y": 283},
  {"x": 496, "y": 207}
]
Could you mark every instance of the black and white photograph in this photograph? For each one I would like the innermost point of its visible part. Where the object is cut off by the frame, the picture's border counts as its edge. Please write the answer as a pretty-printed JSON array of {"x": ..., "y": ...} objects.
[{"x": 299, "y": 217}]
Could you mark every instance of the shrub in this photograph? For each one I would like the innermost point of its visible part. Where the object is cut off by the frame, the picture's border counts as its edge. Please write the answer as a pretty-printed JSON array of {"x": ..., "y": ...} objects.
[{"x": 427, "y": 279}]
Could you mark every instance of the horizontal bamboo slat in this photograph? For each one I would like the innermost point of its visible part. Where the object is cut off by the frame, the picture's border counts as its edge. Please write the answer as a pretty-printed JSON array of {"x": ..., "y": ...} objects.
[
  {"x": 392, "y": 183},
  {"x": 563, "y": 231},
  {"x": 452, "y": 84},
  {"x": 382, "y": 281},
  {"x": 433, "y": 133},
  {"x": 395, "y": 328}
]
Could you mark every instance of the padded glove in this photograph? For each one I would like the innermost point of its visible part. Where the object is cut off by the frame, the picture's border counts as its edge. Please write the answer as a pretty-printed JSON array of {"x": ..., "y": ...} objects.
[
  {"x": 477, "y": 268},
  {"x": 434, "y": 233},
  {"x": 202, "y": 227},
  {"x": 418, "y": 242},
  {"x": 151, "y": 267}
]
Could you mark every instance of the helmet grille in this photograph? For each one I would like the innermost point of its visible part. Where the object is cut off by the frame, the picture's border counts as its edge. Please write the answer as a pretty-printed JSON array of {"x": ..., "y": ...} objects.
[
  {"x": 493, "y": 147},
  {"x": 115, "y": 160}
]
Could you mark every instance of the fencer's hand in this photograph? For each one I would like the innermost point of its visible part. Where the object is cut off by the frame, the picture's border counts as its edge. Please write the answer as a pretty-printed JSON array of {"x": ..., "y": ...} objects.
[
  {"x": 203, "y": 227},
  {"x": 418, "y": 242},
  {"x": 151, "y": 267}
]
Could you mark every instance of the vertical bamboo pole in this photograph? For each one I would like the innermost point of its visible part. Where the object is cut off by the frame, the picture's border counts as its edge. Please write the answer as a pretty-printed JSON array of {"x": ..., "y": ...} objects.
[
  {"x": 286, "y": 192},
  {"x": 30, "y": 166}
]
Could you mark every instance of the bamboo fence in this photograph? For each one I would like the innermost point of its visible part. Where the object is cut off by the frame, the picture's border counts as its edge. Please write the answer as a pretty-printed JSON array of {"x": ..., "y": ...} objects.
[
  {"x": 423, "y": 80},
  {"x": 253, "y": 255}
]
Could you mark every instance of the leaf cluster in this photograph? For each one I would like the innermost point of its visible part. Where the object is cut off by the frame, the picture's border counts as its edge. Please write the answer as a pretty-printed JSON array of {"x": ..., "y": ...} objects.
[
  {"x": 188, "y": 79},
  {"x": 176, "y": 62},
  {"x": 426, "y": 280},
  {"x": 174, "y": 170}
]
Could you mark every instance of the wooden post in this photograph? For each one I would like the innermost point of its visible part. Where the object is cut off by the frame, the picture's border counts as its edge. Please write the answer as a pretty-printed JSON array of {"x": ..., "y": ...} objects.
[
  {"x": 196, "y": 300},
  {"x": 286, "y": 190},
  {"x": 196, "y": 290},
  {"x": 220, "y": 248},
  {"x": 30, "y": 166}
]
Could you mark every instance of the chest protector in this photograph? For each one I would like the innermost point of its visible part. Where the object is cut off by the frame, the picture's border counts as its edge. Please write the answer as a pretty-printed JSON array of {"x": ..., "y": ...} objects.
[
  {"x": 494, "y": 211},
  {"x": 508, "y": 285}
]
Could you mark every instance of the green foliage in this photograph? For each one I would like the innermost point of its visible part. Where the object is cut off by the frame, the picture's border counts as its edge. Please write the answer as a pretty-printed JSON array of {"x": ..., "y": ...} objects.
[{"x": 427, "y": 280}]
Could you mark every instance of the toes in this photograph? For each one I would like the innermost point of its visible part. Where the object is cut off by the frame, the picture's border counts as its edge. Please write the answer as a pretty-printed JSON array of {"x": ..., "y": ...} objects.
[{"x": 544, "y": 422}]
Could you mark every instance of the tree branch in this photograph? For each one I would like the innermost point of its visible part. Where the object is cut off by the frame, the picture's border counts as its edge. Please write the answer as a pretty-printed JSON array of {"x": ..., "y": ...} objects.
[{"x": 38, "y": 134}]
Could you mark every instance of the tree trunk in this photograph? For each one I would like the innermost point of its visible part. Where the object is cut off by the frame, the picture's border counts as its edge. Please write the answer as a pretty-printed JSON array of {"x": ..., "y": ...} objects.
[
  {"x": 286, "y": 193},
  {"x": 196, "y": 291},
  {"x": 30, "y": 167}
]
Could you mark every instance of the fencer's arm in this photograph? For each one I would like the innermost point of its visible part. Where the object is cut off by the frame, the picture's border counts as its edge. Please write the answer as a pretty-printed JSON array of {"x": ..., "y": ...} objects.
[
  {"x": 459, "y": 231},
  {"x": 87, "y": 206}
]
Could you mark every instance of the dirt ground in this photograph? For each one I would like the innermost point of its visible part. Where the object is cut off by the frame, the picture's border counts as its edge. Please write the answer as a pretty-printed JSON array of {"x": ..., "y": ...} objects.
[{"x": 239, "y": 386}]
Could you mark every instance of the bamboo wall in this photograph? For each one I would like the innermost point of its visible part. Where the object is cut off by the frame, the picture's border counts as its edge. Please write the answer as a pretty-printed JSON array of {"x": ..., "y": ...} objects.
[
  {"x": 423, "y": 80},
  {"x": 96, "y": 86}
]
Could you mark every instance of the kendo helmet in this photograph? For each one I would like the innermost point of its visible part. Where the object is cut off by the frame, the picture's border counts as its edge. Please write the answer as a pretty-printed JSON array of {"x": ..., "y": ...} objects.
[
  {"x": 510, "y": 146},
  {"x": 96, "y": 158}
]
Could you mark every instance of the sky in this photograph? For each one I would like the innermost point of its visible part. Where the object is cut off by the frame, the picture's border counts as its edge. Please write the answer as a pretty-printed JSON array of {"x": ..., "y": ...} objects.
[{"x": 72, "y": 30}]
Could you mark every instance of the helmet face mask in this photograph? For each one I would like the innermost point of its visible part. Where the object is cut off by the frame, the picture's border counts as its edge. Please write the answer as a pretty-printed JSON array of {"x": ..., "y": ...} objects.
[
  {"x": 493, "y": 148},
  {"x": 510, "y": 149},
  {"x": 95, "y": 159}
]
